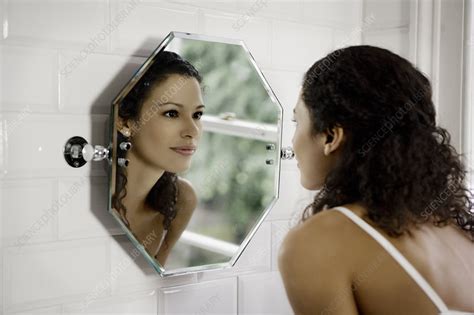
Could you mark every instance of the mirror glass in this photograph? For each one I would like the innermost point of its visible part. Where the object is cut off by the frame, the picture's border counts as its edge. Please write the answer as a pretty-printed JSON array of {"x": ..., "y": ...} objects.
[{"x": 195, "y": 138}]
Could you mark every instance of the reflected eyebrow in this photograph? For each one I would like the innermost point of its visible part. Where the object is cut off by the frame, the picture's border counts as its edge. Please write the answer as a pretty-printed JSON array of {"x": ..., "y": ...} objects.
[
  {"x": 181, "y": 105},
  {"x": 294, "y": 111}
]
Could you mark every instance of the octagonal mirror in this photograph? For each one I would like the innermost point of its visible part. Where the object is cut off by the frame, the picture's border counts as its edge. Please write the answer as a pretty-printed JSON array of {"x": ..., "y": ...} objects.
[{"x": 195, "y": 136}]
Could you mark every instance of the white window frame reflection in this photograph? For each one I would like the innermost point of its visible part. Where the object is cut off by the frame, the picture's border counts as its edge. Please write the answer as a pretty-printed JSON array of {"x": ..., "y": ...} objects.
[
  {"x": 240, "y": 128},
  {"x": 233, "y": 127}
]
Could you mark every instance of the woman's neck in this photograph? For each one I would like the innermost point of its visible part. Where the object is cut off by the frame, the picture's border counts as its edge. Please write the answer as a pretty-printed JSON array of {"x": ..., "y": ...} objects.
[{"x": 140, "y": 180}]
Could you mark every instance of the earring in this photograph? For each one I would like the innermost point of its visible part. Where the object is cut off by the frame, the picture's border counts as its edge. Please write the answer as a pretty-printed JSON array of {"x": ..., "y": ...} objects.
[
  {"x": 123, "y": 162},
  {"x": 125, "y": 146},
  {"x": 125, "y": 132}
]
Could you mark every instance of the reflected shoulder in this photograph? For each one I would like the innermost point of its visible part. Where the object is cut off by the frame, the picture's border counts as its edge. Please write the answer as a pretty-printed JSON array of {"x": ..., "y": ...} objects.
[{"x": 187, "y": 197}]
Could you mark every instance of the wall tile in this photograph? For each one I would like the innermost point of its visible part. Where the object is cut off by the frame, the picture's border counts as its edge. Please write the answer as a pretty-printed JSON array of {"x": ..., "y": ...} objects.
[
  {"x": 2, "y": 245},
  {"x": 86, "y": 213},
  {"x": 222, "y": 6},
  {"x": 35, "y": 142},
  {"x": 348, "y": 37},
  {"x": 28, "y": 79},
  {"x": 39, "y": 275},
  {"x": 132, "y": 271},
  {"x": 392, "y": 14},
  {"x": 3, "y": 25},
  {"x": 395, "y": 40},
  {"x": 143, "y": 302},
  {"x": 292, "y": 194},
  {"x": 255, "y": 258},
  {"x": 275, "y": 9},
  {"x": 90, "y": 84},
  {"x": 55, "y": 23},
  {"x": 40, "y": 310},
  {"x": 256, "y": 254},
  {"x": 297, "y": 46},
  {"x": 255, "y": 33},
  {"x": 279, "y": 230},
  {"x": 211, "y": 297},
  {"x": 336, "y": 13},
  {"x": 146, "y": 24},
  {"x": 263, "y": 293},
  {"x": 29, "y": 211},
  {"x": 286, "y": 85},
  {"x": 2, "y": 145}
]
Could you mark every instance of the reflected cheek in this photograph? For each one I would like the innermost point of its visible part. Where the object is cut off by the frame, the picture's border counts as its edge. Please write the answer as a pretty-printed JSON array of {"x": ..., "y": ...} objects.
[{"x": 199, "y": 132}]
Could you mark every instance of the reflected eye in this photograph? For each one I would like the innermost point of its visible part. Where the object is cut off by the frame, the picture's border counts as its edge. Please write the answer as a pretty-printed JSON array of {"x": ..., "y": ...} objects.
[
  {"x": 294, "y": 121},
  {"x": 171, "y": 113},
  {"x": 198, "y": 115}
]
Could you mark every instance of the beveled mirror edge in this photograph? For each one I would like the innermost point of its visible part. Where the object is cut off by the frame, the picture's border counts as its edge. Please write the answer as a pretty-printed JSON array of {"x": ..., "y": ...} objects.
[
  {"x": 112, "y": 165},
  {"x": 173, "y": 34},
  {"x": 275, "y": 100},
  {"x": 137, "y": 245},
  {"x": 113, "y": 151},
  {"x": 141, "y": 71}
]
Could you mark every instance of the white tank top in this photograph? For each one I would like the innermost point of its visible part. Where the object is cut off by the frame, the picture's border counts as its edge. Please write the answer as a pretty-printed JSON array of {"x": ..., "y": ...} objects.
[{"x": 404, "y": 263}]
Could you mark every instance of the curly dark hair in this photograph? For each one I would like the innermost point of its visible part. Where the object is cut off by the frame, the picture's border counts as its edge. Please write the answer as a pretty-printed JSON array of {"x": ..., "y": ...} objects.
[
  {"x": 164, "y": 194},
  {"x": 395, "y": 159}
]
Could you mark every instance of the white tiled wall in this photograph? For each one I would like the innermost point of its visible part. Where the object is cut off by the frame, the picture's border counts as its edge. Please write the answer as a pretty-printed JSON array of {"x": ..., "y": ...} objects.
[
  {"x": 468, "y": 80},
  {"x": 61, "y": 252}
]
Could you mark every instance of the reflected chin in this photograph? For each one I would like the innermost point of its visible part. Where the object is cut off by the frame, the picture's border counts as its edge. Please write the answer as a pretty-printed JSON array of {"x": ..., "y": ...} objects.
[{"x": 179, "y": 169}]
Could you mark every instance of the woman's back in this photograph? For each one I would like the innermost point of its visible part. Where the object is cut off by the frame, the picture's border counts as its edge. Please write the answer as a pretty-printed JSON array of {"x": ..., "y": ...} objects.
[{"x": 443, "y": 256}]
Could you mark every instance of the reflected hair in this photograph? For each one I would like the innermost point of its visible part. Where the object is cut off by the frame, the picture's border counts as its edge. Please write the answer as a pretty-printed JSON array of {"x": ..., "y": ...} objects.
[
  {"x": 163, "y": 195},
  {"x": 395, "y": 159}
]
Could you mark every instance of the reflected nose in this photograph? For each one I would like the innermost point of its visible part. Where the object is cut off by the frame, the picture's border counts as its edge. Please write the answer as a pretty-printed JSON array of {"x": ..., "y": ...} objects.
[{"x": 191, "y": 129}]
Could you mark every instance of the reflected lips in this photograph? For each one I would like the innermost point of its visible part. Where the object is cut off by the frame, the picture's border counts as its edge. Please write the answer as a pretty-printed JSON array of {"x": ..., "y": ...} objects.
[{"x": 185, "y": 150}]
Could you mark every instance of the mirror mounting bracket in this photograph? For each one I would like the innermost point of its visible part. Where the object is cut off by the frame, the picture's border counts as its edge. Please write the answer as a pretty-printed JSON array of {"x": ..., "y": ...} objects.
[{"x": 77, "y": 152}]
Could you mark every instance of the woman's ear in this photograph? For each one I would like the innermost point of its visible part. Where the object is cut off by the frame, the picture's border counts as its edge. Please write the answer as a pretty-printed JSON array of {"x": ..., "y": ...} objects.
[
  {"x": 123, "y": 127},
  {"x": 334, "y": 139}
]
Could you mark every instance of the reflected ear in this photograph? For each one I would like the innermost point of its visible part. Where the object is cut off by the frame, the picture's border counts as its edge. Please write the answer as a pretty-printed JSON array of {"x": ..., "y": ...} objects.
[
  {"x": 123, "y": 127},
  {"x": 334, "y": 139}
]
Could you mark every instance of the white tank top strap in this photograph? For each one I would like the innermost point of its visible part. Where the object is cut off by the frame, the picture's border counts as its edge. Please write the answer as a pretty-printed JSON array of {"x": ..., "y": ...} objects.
[{"x": 395, "y": 253}]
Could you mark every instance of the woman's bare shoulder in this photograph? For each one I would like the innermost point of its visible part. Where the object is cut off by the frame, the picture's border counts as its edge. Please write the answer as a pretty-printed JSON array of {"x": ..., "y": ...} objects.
[
  {"x": 326, "y": 228},
  {"x": 313, "y": 261},
  {"x": 187, "y": 197}
]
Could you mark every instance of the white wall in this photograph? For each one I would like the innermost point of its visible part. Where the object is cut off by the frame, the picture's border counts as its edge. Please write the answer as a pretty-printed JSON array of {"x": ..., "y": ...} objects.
[
  {"x": 468, "y": 81},
  {"x": 76, "y": 255}
]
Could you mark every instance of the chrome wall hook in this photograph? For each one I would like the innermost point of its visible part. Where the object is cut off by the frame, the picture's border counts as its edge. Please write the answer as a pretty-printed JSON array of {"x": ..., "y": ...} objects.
[
  {"x": 287, "y": 153},
  {"x": 78, "y": 152}
]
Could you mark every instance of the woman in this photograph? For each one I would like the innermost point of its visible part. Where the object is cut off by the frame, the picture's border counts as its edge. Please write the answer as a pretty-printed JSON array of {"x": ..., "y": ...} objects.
[
  {"x": 366, "y": 138},
  {"x": 160, "y": 118}
]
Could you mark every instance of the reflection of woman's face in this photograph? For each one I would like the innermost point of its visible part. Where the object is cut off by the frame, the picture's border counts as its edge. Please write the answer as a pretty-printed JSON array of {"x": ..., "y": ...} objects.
[{"x": 169, "y": 119}]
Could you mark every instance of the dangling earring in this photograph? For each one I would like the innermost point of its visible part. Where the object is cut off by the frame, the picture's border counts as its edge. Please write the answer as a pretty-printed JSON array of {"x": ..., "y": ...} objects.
[
  {"x": 125, "y": 146},
  {"x": 123, "y": 162},
  {"x": 125, "y": 132}
]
